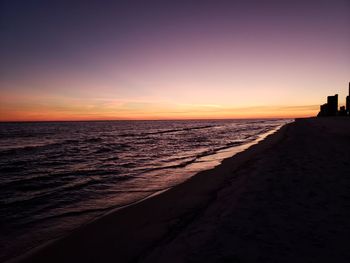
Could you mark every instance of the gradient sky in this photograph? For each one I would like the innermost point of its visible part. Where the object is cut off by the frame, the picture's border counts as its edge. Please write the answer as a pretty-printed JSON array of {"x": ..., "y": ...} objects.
[{"x": 86, "y": 60}]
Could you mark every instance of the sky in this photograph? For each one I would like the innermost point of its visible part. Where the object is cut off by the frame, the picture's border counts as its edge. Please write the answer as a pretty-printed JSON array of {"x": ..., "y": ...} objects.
[{"x": 110, "y": 60}]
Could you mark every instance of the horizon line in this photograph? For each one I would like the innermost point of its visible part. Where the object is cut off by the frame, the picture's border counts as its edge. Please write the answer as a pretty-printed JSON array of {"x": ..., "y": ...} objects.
[{"x": 174, "y": 119}]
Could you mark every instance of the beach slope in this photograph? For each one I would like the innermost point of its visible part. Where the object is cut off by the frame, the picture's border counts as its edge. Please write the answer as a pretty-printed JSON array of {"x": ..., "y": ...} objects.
[{"x": 286, "y": 199}]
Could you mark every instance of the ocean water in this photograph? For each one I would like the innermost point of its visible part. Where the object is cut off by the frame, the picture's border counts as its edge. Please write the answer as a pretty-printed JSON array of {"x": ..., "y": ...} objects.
[{"x": 56, "y": 176}]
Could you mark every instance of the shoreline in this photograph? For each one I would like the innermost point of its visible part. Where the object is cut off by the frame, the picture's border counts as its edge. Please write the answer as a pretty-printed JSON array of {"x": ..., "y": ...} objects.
[
  {"x": 290, "y": 203},
  {"x": 27, "y": 256}
]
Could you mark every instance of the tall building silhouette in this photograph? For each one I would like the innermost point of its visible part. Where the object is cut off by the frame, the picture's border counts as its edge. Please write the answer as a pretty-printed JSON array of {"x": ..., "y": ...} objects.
[
  {"x": 348, "y": 102},
  {"x": 332, "y": 102},
  {"x": 331, "y": 107}
]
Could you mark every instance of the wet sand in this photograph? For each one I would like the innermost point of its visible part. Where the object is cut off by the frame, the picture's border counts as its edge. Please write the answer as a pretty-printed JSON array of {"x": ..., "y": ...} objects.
[{"x": 286, "y": 199}]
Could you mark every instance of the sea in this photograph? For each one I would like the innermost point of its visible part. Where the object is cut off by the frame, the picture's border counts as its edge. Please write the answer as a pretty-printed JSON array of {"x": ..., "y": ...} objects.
[{"x": 57, "y": 176}]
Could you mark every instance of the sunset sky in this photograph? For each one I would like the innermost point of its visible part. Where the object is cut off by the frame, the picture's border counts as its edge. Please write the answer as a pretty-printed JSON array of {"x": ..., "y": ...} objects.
[{"x": 93, "y": 60}]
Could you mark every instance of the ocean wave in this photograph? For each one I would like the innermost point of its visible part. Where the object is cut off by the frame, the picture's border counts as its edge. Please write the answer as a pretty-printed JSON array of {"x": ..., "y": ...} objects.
[
  {"x": 168, "y": 131},
  {"x": 93, "y": 140},
  {"x": 56, "y": 179},
  {"x": 190, "y": 160},
  {"x": 113, "y": 147},
  {"x": 53, "y": 188},
  {"x": 30, "y": 148}
]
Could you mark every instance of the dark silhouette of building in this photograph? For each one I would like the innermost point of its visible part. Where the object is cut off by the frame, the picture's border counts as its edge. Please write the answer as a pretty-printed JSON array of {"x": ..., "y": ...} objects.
[
  {"x": 331, "y": 107},
  {"x": 332, "y": 102},
  {"x": 342, "y": 111},
  {"x": 323, "y": 110},
  {"x": 348, "y": 102}
]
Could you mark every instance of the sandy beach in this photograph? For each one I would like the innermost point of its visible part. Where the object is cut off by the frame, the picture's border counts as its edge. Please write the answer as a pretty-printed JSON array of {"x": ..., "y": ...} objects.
[{"x": 285, "y": 199}]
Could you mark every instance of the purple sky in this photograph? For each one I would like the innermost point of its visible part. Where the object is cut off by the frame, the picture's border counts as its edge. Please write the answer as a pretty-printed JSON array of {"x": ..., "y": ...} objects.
[{"x": 159, "y": 59}]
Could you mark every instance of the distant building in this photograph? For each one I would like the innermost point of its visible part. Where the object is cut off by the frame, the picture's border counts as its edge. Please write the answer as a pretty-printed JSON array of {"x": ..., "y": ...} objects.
[
  {"x": 330, "y": 108},
  {"x": 323, "y": 110},
  {"x": 348, "y": 102},
  {"x": 342, "y": 111},
  {"x": 332, "y": 105}
]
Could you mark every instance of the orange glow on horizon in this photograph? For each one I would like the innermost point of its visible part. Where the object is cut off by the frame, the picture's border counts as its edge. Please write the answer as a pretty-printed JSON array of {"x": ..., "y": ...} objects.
[
  {"x": 44, "y": 107},
  {"x": 157, "y": 113}
]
